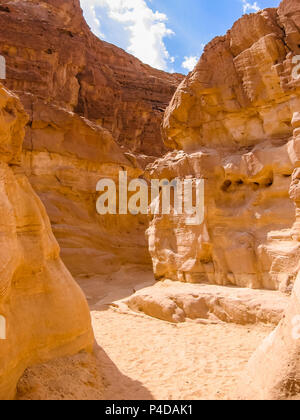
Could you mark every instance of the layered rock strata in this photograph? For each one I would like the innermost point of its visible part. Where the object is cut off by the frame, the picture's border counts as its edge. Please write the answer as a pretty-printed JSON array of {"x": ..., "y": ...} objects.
[
  {"x": 229, "y": 123},
  {"x": 94, "y": 110},
  {"x": 273, "y": 371},
  {"x": 238, "y": 128},
  {"x": 54, "y": 56}
]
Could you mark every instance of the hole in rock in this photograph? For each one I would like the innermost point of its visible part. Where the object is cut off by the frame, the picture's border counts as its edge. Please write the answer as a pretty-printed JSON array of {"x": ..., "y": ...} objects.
[
  {"x": 9, "y": 110},
  {"x": 255, "y": 185},
  {"x": 4, "y": 9},
  {"x": 269, "y": 182},
  {"x": 227, "y": 184}
]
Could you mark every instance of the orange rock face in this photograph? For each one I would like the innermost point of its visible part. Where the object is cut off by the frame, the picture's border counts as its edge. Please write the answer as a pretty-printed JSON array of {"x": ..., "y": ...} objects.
[
  {"x": 45, "y": 312},
  {"x": 54, "y": 56},
  {"x": 66, "y": 155},
  {"x": 94, "y": 110}
]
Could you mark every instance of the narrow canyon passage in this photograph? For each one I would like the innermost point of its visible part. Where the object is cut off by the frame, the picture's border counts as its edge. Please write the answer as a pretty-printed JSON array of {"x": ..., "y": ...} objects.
[
  {"x": 178, "y": 303},
  {"x": 140, "y": 357}
]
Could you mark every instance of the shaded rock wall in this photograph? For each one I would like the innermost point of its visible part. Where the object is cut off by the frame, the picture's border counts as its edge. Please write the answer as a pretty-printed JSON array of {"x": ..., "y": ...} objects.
[
  {"x": 94, "y": 110},
  {"x": 65, "y": 157}
]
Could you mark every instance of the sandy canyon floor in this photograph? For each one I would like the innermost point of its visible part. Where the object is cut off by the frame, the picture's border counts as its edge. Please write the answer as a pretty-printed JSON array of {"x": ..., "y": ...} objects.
[{"x": 140, "y": 357}]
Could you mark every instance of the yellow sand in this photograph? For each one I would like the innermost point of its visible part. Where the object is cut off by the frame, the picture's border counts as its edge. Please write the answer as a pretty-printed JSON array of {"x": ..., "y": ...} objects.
[{"x": 144, "y": 358}]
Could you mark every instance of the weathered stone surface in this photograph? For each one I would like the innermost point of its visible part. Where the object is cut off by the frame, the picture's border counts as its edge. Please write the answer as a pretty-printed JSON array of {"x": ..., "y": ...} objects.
[
  {"x": 46, "y": 313},
  {"x": 178, "y": 302},
  {"x": 245, "y": 239},
  {"x": 242, "y": 91},
  {"x": 93, "y": 110},
  {"x": 54, "y": 56},
  {"x": 65, "y": 156},
  {"x": 273, "y": 372},
  {"x": 239, "y": 129},
  {"x": 232, "y": 119}
]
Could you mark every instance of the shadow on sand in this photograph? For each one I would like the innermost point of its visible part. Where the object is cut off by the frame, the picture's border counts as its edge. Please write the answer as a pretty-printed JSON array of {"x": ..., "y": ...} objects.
[{"x": 117, "y": 385}]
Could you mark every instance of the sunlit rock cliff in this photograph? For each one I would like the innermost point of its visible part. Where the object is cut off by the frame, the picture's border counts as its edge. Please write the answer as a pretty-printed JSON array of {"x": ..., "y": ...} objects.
[
  {"x": 46, "y": 315},
  {"x": 229, "y": 123}
]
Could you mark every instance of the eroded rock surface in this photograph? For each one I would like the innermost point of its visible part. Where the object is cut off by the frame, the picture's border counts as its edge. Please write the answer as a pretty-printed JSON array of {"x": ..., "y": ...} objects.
[
  {"x": 45, "y": 311},
  {"x": 238, "y": 128},
  {"x": 273, "y": 371},
  {"x": 241, "y": 92},
  {"x": 54, "y": 56},
  {"x": 66, "y": 156},
  {"x": 93, "y": 110},
  {"x": 230, "y": 124},
  {"x": 177, "y": 302}
]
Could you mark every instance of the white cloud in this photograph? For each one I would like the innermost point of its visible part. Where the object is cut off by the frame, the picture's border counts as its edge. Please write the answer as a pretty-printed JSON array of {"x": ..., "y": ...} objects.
[
  {"x": 250, "y": 7},
  {"x": 190, "y": 62},
  {"x": 89, "y": 12},
  {"x": 146, "y": 29}
]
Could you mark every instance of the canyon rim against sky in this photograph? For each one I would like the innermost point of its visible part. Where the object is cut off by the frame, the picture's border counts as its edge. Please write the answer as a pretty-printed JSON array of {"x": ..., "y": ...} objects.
[{"x": 149, "y": 202}]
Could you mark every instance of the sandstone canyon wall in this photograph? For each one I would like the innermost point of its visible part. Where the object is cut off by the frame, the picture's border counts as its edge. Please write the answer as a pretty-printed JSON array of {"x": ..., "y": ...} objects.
[
  {"x": 273, "y": 371},
  {"x": 230, "y": 124},
  {"x": 234, "y": 121},
  {"x": 46, "y": 313},
  {"x": 93, "y": 110}
]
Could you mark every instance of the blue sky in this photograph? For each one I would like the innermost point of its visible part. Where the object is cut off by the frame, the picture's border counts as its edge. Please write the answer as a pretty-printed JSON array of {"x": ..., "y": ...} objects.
[{"x": 167, "y": 34}]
